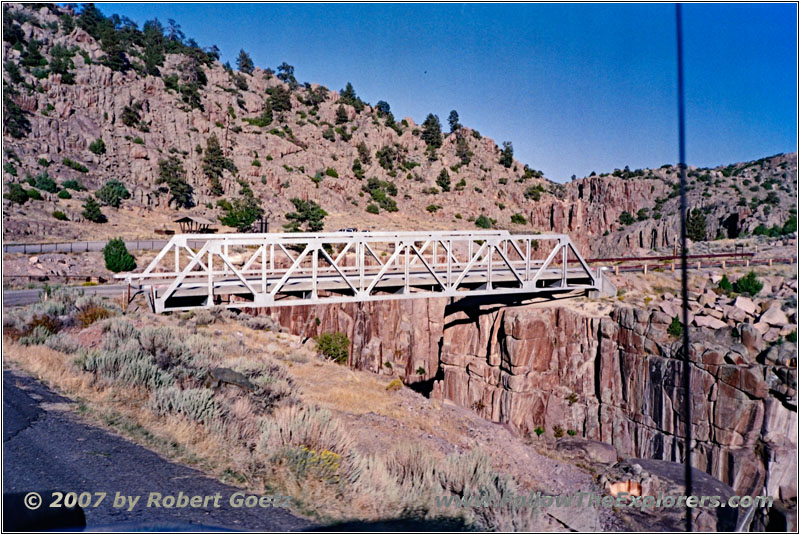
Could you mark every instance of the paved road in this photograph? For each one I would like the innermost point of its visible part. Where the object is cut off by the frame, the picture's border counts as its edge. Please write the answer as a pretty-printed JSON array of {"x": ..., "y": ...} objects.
[
  {"x": 86, "y": 246},
  {"x": 13, "y": 298},
  {"x": 48, "y": 448}
]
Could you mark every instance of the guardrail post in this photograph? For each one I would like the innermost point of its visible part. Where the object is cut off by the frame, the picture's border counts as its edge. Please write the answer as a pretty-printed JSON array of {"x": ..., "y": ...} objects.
[{"x": 645, "y": 269}]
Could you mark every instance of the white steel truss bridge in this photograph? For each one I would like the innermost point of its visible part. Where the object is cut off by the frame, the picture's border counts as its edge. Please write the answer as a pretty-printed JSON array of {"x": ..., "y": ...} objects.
[{"x": 269, "y": 270}]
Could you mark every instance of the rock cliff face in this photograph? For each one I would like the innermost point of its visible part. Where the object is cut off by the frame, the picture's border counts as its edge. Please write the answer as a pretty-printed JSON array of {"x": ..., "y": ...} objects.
[
  {"x": 613, "y": 378},
  {"x": 307, "y": 149}
]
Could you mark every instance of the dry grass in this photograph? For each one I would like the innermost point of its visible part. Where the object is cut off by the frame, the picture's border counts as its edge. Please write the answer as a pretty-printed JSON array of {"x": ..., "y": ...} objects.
[{"x": 305, "y": 450}]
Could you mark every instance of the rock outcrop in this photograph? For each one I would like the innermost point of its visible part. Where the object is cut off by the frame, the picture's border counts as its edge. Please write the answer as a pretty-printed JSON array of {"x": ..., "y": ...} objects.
[{"x": 615, "y": 379}]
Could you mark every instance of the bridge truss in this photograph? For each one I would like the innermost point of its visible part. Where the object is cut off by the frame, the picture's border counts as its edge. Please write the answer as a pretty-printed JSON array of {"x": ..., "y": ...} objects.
[{"x": 269, "y": 270}]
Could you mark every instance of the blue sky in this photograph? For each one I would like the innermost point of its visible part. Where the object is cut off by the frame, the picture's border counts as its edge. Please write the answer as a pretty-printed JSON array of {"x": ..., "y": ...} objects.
[{"x": 575, "y": 87}]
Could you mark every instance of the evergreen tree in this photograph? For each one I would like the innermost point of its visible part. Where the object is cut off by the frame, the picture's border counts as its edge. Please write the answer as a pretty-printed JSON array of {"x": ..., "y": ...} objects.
[
  {"x": 453, "y": 120},
  {"x": 443, "y": 180},
  {"x": 243, "y": 211},
  {"x": 172, "y": 173},
  {"x": 244, "y": 62},
  {"x": 306, "y": 213},
  {"x": 507, "y": 154},
  {"x": 696, "y": 225},
  {"x": 462, "y": 150},
  {"x": 286, "y": 75},
  {"x": 91, "y": 211},
  {"x": 382, "y": 107},
  {"x": 341, "y": 115},
  {"x": 215, "y": 163},
  {"x": 280, "y": 100},
  {"x": 15, "y": 123},
  {"x": 432, "y": 131},
  {"x": 348, "y": 96}
]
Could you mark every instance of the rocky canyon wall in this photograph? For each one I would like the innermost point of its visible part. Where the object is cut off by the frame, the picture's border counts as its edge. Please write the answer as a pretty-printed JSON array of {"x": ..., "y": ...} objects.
[{"x": 613, "y": 378}]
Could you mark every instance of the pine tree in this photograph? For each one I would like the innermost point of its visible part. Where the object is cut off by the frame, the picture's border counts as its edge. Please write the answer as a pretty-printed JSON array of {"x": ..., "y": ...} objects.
[
  {"x": 286, "y": 75},
  {"x": 453, "y": 120},
  {"x": 172, "y": 173},
  {"x": 443, "y": 180},
  {"x": 432, "y": 131},
  {"x": 507, "y": 155},
  {"x": 91, "y": 211},
  {"x": 215, "y": 163},
  {"x": 244, "y": 62},
  {"x": 696, "y": 225},
  {"x": 341, "y": 115}
]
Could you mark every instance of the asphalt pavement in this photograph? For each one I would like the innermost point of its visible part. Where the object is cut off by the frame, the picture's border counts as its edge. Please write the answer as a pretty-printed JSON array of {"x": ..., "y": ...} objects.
[
  {"x": 46, "y": 448},
  {"x": 14, "y": 298}
]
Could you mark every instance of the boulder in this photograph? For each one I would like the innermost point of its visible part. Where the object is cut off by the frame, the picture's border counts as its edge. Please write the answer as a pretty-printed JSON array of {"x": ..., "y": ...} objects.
[
  {"x": 593, "y": 450},
  {"x": 774, "y": 316},
  {"x": 708, "y": 321},
  {"x": 745, "y": 304},
  {"x": 762, "y": 327},
  {"x": 708, "y": 299},
  {"x": 751, "y": 338}
]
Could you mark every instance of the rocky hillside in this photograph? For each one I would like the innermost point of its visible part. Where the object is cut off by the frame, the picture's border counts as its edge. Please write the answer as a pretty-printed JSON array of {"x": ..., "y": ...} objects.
[{"x": 91, "y": 100}]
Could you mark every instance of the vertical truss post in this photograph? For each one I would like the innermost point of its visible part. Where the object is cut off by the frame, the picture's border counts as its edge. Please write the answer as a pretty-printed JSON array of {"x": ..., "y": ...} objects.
[
  {"x": 564, "y": 266},
  {"x": 406, "y": 254},
  {"x": 360, "y": 252},
  {"x": 314, "y": 268},
  {"x": 210, "y": 279},
  {"x": 271, "y": 258},
  {"x": 264, "y": 267},
  {"x": 450, "y": 264},
  {"x": 527, "y": 260},
  {"x": 490, "y": 256}
]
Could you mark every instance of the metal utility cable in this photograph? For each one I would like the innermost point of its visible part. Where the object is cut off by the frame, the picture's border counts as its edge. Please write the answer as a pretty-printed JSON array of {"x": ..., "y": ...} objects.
[{"x": 687, "y": 398}]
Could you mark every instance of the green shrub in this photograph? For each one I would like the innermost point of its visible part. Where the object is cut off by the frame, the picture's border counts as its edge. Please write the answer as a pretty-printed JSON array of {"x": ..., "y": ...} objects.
[
  {"x": 330, "y": 171},
  {"x": 675, "y": 327},
  {"x": 45, "y": 183},
  {"x": 112, "y": 193},
  {"x": 73, "y": 184},
  {"x": 558, "y": 431},
  {"x": 34, "y": 194},
  {"x": 72, "y": 164},
  {"x": 98, "y": 146},
  {"x": 725, "y": 284},
  {"x": 138, "y": 140},
  {"x": 64, "y": 194},
  {"x": 9, "y": 168},
  {"x": 335, "y": 346},
  {"x": 373, "y": 208},
  {"x": 17, "y": 194},
  {"x": 792, "y": 337},
  {"x": 539, "y": 431},
  {"x": 626, "y": 218},
  {"x": 534, "y": 192},
  {"x": 518, "y": 219},
  {"x": 117, "y": 256},
  {"x": 61, "y": 216},
  {"x": 483, "y": 222},
  {"x": 749, "y": 284}
]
